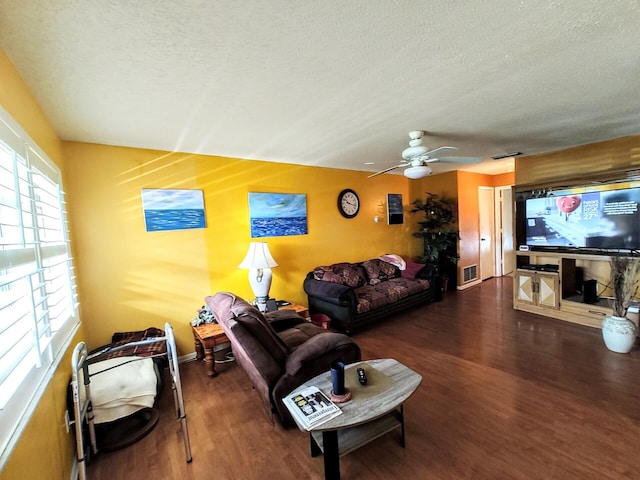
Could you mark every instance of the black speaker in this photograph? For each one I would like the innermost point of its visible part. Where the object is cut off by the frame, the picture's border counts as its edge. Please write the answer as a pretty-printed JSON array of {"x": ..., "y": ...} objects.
[
  {"x": 590, "y": 291},
  {"x": 579, "y": 279},
  {"x": 272, "y": 305}
]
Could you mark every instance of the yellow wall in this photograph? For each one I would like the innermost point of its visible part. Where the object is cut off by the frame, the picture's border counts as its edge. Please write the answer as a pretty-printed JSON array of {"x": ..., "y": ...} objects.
[
  {"x": 45, "y": 450},
  {"x": 130, "y": 279},
  {"x": 16, "y": 99}
]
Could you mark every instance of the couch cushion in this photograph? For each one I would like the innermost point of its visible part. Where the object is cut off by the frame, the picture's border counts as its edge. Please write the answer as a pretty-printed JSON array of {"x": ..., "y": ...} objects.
[
  {"x": 384, "y": 293},
  {"x": 412, "y": 286},
  {"x": 282, "y": 319},
  {"x": 250, "y": 318},
  {"x": 349, "y": 274},
  {"x": 296, "y": 336},
  {"x": 380, "y": 271}
]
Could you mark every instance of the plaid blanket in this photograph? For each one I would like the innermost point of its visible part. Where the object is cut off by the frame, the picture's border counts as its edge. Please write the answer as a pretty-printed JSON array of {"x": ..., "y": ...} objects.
[{"x": 145, "y": 350}]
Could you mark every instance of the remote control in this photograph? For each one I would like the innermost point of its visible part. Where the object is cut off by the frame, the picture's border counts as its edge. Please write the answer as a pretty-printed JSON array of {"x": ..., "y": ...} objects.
[{"x": 362, "y": 376}]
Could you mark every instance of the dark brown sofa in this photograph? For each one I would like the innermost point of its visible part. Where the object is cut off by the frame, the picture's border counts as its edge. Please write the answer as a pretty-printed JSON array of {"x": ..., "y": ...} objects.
[
  {"x": 353, "y": 295},
  {"x": 280, "y": 350}
]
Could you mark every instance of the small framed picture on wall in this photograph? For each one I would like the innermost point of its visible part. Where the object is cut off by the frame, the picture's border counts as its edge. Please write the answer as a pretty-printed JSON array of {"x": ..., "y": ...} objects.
[
  {"x": 172, "y": 209},
  {"x": 395, "y": 215}
]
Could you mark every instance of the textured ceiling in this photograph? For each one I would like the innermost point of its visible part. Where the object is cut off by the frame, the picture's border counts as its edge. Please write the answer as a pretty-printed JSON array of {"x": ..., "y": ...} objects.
[{"x": 331, "y": 83}]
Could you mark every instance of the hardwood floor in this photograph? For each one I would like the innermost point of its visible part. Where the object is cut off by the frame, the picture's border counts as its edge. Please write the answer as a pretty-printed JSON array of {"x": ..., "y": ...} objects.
[{"x": 505, "y": 395}]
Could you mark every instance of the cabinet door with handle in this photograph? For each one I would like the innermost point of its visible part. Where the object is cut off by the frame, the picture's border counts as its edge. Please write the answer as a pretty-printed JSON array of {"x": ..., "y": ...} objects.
[
  {"x": 547, "y": 290},
  {"x": 526, "y": 287},
  {"x": 536, "y": 288}
]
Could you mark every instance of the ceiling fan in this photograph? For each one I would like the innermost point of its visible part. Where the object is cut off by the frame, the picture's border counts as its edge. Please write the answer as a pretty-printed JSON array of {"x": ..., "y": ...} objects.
[{"x": 417, "y": 156}]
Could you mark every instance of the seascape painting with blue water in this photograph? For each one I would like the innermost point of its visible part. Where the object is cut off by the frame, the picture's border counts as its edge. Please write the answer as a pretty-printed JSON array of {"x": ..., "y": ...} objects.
[
  {"x": 173, "y": 209},
  {"x": 277, "y": 214}
]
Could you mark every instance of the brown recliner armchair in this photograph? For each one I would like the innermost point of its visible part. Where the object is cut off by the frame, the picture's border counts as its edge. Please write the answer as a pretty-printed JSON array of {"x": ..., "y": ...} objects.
[{"x": 280, "y": 350}]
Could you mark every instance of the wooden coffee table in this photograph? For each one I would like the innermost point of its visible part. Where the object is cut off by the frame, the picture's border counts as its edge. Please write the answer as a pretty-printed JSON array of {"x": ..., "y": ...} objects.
[
  {"x": 374, "y": 409},
  {"x": 206, "y": 337}
]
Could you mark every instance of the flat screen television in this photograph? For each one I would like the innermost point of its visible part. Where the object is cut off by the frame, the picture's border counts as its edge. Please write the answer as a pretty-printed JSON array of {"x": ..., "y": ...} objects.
[{"x": 596, "y": 218}]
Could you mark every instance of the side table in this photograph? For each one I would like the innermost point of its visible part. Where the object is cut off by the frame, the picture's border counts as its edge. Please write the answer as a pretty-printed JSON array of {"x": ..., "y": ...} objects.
[
  {"x": 299, "y": 309},
  {"x": 206, "y": 337}
]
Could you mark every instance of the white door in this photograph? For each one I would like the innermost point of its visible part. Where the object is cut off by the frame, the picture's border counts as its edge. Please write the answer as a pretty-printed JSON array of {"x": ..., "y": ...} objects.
[
  {"x": 505, "y": 258},
  {"x": 486, "y": 206}
]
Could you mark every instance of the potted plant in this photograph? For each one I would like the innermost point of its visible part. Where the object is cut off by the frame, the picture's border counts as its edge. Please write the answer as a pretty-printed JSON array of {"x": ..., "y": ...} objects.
[
  {"x": 618, "y": 332},
  {"x": 439, "y": 235}
]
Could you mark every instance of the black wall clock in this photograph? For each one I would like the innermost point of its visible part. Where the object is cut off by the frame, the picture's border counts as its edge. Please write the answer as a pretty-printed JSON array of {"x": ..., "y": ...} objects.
[{"x": 348, "y": 203}]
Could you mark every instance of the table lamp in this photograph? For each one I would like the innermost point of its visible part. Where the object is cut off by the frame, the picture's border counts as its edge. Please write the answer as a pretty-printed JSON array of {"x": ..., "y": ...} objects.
[{"x": 259, "y": 262}]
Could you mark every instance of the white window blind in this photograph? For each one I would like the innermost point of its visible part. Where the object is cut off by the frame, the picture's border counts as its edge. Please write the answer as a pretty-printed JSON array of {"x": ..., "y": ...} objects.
[{"x": 38, "y": 302}]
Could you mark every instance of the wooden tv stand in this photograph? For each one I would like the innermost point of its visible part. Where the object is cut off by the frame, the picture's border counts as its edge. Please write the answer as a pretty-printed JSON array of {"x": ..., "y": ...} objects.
[{"x": 555, "y": 293}]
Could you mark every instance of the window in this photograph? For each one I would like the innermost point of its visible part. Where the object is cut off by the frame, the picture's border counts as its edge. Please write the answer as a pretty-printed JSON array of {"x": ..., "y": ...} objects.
[{"x": 38, "y": 306}]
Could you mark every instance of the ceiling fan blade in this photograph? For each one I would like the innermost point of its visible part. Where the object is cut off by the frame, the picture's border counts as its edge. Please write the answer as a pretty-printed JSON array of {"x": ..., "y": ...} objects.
[
  {"x": 387, "y": 170},
  {"x": 439, "y": 149},
  {"x": 459, "y": 159}
]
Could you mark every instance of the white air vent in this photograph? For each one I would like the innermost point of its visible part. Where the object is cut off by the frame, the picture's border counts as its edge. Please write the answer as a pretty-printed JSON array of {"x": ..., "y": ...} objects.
[{"x": 469, "y": 273}]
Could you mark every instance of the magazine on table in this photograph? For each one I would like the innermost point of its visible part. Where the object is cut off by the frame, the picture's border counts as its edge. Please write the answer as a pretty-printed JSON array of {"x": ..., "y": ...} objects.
[{"x": 311, "y": 407}]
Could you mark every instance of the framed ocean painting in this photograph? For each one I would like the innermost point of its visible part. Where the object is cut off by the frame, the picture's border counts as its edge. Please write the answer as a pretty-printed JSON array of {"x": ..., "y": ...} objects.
[
  {"x": 173, "y": 209},
  {"x": 395, "y": 216},
  {"x": 277, "y": 214}
]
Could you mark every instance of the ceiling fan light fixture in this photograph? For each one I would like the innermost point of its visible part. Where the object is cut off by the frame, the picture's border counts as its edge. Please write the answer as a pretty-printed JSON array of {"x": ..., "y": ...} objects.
[{"x": 417, "y": 172}]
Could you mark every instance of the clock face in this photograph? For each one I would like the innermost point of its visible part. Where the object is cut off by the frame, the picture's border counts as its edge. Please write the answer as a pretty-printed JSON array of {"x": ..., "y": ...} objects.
[{"x": 348, "y": 203}]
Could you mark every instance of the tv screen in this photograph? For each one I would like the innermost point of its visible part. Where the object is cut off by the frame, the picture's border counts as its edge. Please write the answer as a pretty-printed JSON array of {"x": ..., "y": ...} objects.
[{"x": 602, "y": 217}]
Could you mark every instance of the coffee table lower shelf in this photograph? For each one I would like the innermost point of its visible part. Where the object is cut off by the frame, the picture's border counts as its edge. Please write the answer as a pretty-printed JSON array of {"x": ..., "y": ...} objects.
[
  {"x": 350, "y": 439},
  {"x": 374, "y": 410}
]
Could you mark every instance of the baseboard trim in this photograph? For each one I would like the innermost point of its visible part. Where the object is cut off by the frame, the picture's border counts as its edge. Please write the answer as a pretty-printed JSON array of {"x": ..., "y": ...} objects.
[
  {"x": 189, "y": 357},
  {"x": 470, "y": 284}
]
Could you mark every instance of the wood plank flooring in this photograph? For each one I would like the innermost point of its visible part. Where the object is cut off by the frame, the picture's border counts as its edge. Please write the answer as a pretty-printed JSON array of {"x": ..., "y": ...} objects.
[{"x": 505, "y": 395}]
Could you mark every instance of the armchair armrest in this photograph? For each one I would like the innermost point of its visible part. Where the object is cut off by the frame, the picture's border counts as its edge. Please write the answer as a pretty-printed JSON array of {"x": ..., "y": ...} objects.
[
  {"x": 312, "y": 358},
  {"x": 322, "y": 345},
  {"x": 330, "y": 292}
]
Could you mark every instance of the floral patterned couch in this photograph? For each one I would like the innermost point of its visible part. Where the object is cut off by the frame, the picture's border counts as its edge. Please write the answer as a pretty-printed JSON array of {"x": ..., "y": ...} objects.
[{"x": 355, "y": 294}]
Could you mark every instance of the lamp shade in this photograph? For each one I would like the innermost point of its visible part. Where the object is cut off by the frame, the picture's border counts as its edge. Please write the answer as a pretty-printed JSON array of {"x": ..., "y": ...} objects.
[
  {"x": 417, "y": 172},
  {"x": 258, "y": 256}
]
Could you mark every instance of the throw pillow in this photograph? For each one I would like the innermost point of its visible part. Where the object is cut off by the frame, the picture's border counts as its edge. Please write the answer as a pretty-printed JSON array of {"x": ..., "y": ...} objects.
[
  {"x": 342, "y": 273},
  {"x": 412, "y": 269},
  {"x": 380, "y": 271}
]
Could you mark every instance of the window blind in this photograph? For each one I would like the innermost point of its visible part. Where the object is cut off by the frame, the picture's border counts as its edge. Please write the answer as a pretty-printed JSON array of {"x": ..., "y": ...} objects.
[{"x": 38, "y": 299}]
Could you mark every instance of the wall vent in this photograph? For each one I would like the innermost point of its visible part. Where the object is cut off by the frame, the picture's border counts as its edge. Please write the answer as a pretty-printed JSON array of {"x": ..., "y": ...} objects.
[{"x": 469, "y": 273}]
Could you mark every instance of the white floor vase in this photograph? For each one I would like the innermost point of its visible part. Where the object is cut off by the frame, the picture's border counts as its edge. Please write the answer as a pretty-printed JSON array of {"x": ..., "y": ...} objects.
[{"x": 619, "y": 334}]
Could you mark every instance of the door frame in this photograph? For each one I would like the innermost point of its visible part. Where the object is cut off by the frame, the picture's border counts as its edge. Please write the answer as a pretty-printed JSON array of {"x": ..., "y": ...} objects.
[
  {"x": 502, "y": 267},
  {"x": 491, "y": 228}
]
